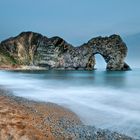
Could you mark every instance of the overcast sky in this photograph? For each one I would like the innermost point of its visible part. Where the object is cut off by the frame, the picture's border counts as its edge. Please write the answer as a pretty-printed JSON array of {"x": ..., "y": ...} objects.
[{"x": 75, "y": 20}]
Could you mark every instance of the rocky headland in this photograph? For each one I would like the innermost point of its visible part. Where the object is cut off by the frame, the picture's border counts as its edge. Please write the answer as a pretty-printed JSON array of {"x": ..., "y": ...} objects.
[
  {"x": 31, "y": 50},
  {"x": 21, "y": 119}
]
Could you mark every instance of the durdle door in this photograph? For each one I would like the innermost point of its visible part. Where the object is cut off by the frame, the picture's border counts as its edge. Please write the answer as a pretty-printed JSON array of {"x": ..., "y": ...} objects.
[
  {"x": 112, "y": 49},
  {"x": 33, "y": 49}
]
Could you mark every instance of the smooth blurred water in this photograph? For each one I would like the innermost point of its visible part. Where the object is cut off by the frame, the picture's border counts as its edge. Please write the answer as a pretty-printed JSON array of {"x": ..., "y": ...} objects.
[{"x": 101, "y": 98}]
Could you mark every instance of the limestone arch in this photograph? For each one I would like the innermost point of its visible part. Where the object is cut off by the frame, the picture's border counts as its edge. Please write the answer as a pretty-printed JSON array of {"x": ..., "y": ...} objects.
[{"x": 112, "y": 49}]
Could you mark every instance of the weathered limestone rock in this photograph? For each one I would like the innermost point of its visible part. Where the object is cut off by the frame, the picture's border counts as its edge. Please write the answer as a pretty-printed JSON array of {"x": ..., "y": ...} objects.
[
  {"x": 113, "y": 50},
  {"x": 30, "y": 48}
]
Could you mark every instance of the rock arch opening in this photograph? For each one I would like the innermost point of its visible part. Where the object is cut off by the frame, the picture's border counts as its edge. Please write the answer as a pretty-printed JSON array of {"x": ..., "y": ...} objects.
[{"x": 99, "y": 61}]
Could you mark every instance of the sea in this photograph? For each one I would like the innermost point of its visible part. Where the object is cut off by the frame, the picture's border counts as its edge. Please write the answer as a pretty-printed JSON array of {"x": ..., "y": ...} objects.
[{"x": 104, "y": 99}]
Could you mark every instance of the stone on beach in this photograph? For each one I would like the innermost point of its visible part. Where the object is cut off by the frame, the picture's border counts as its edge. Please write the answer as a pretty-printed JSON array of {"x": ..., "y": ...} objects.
[{"x": 21, "y": 119}]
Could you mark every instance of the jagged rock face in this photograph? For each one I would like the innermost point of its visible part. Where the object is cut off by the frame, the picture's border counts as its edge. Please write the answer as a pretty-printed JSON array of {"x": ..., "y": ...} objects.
[
  {"x": 21, "y": 49},
  {"x": 113, "y": 50},
  {"x": 34, "y": 49},
  {"x": 56, "y": 53},
  {"x": 30, "y": 48}
]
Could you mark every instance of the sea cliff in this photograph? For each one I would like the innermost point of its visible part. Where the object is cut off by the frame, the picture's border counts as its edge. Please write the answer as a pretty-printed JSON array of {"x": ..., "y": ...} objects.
[{"x": 35, "y": 51}]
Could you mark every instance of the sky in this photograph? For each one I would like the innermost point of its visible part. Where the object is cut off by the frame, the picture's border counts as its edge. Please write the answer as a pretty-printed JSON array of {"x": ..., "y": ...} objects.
[{"x": 76, "y": 21}]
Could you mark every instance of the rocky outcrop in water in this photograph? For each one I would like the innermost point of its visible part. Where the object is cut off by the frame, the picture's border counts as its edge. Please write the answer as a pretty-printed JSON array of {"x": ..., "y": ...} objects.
[{"x": 33, "y": 49}]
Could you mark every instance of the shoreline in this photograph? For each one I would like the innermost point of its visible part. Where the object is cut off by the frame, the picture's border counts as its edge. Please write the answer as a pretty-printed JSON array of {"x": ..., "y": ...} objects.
[
  {"x": 22, "y": 68},
  {"x": 26, "y": 119},
  {"x": 35, "y": 68},
  {"x": 21, "y": 118}
]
